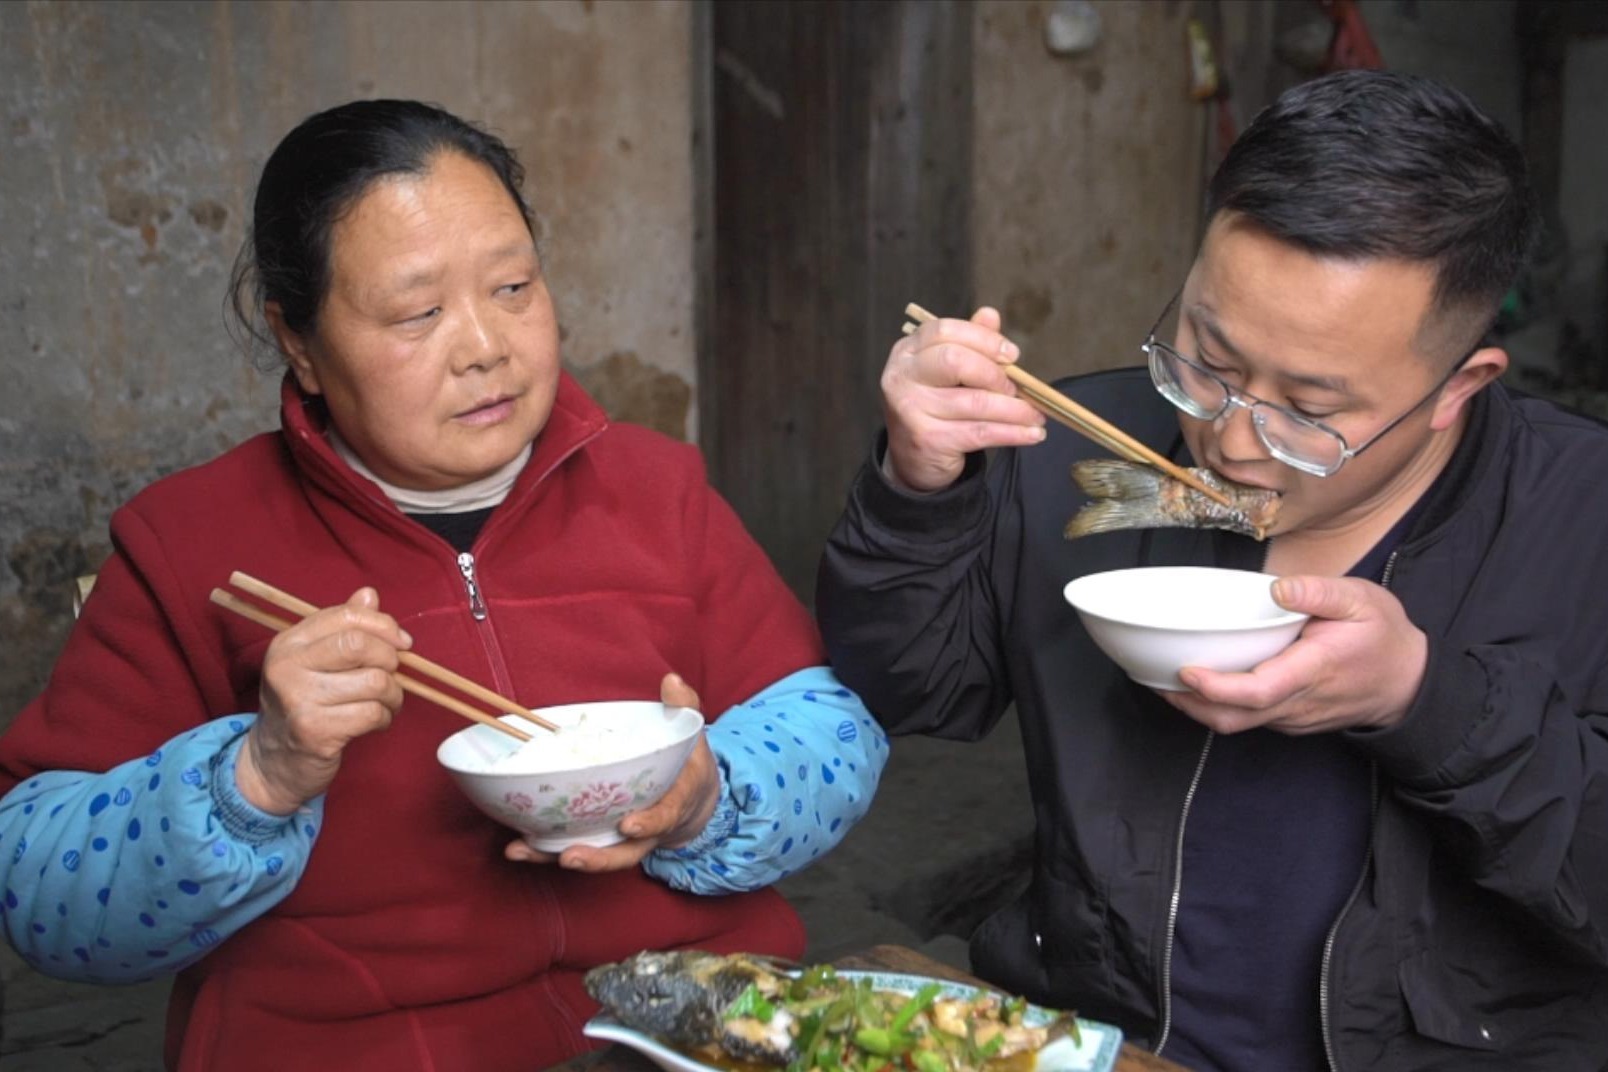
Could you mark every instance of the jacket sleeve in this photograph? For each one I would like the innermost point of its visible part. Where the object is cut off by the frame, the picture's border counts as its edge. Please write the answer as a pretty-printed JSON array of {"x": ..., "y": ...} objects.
[
  {"x": 799, "y": 764},
  {"x": 1513, "y": 777},
  {"x": 790, "y": 735},
  {"x": 120, "y": 801},
  {"x": 906, "y": 605},
  {"x": 140, "y": 871}
]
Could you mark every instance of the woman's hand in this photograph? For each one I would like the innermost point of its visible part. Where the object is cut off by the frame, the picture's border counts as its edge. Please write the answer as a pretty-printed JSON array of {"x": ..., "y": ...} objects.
[
  {"x": 327, "y": 679},
  {"x": 678, "y": 817},
  {"x": 945, "y": 395}
]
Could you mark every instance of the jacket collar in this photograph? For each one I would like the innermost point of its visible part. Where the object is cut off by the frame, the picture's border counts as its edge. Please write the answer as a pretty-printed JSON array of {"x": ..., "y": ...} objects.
[
  {"x": 1473, "y": 461},
  {"x": 575, "y": 420}
]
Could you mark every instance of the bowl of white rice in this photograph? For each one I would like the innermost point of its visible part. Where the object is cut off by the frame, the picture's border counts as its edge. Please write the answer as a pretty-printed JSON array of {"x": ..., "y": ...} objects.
[{"x": 573, "y": 787}]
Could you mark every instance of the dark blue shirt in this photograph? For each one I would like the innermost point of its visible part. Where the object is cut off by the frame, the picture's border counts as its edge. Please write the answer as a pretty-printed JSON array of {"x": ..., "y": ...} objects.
[{"x": 1273, "y": 845}]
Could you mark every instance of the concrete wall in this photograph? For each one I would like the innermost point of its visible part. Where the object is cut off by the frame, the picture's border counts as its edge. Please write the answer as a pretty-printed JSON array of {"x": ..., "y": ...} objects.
[
  {"x": 1087, "y": 179},
  {"x": 1468, "y": 44},
  {"x": 130, "y": 138},
  {"x": 1090, "y": 169}
]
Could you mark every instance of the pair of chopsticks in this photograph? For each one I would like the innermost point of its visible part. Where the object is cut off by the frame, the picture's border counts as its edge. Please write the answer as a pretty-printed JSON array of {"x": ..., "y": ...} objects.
[
  {"x": 285, "y": 601},
  {"x": 1059, "y": 407}
]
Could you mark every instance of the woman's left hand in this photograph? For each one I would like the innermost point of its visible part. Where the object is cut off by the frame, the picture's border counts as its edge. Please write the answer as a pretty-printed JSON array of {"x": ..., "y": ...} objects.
[{"x": 678, "y": 817}]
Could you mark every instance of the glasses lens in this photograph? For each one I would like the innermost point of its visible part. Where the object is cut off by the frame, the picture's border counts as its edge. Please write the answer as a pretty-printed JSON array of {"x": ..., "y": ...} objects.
[
  {"x": 1191, "y": 389},
  {"x": 1295, "y": 442}
]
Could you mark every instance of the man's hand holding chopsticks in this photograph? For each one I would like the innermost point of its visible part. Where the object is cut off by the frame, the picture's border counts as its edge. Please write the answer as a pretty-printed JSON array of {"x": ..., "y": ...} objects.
[
  {"x": 325, "y": 680},
  {"x": 945, "y": 395}
]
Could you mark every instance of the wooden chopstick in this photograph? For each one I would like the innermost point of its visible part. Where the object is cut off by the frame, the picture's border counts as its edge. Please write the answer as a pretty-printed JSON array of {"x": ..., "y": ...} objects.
[
  {"x": 1046, "y": 405},
  {"x": 1054, "y": 404},
  {"x": 418, "y": 688},
  {"x": 301, "y": 608},
  {"x": 409, "y": 685}
]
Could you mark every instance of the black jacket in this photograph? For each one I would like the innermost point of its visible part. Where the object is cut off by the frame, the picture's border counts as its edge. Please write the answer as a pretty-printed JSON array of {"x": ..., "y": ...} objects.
[{"x": 1477, "y": 935}]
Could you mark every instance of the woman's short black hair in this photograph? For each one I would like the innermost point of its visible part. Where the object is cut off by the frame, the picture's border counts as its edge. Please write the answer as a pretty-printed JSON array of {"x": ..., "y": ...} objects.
[
  {"x": 1366, "y": 164},
  {"x": 319, "y": 171}
]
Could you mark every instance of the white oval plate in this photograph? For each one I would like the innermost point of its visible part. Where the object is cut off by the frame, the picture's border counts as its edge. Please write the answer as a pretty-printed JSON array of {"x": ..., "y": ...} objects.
[{"x": 1095, "y": 1052}]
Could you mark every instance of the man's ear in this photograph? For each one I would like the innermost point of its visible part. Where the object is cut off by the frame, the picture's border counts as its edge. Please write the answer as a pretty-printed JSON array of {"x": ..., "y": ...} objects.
[
  {"x": 294, "y": 347},
  {"x": 1482, "y": 366}
]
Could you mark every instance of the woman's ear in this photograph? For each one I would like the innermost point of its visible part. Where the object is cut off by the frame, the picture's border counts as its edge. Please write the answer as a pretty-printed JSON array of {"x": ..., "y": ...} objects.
[
  {"x": 1481, "y": 367},
  {"x": 294, "y": 347}
]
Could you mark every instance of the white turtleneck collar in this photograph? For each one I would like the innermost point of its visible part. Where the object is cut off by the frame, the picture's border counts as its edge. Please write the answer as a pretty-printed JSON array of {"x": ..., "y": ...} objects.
[{"x": 479, "y": 494}]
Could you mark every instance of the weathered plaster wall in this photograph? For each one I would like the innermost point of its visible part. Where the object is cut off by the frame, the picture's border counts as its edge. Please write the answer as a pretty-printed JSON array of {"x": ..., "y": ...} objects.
[
  {"x": 1087, "y": 179},
  {"x": 1472, "y": 46},
  {"x": 130, "y": 137}
]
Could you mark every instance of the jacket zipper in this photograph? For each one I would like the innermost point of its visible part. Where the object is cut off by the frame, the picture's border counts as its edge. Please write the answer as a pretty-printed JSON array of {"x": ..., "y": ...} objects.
[
  {"x": 466, "y": 566},
  {"x": 477, "y": 603},
  {"x": 484, "y": 627},
  {"x": 1178, "y": 872},
  {"x": 1334, "y": 928},
  {"x": 1367, "y": 862},
  {"x": 1177, "y": 893}
]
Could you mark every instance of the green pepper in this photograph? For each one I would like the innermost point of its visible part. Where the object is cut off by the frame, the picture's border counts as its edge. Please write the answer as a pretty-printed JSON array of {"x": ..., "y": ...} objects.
[
  {"x": 882, "y": 1041},
  {"x": 930, "y": 1061},
  {"x": 837, "y": 1016},
  {"x": 809, "y": 1034},
  {"x": 864, "y": 1005},
  {"x": 921, "y": 999},
  {"x": 751, "y": 1003},
  {"x": 812, "y": 978}
]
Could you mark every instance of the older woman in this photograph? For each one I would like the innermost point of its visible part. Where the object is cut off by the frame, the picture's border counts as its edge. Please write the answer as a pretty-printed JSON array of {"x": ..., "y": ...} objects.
[{"x": 324, "y": 892}]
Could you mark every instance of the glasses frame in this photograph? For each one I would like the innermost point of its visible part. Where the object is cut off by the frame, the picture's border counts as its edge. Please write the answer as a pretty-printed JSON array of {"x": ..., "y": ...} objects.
[{"x": 1233, "y": 397}]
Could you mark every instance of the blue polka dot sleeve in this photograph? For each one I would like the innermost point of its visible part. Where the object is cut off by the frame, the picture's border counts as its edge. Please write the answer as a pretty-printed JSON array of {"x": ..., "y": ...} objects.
[
  {"x": 122, "y": 876},
  {"x": 799, "y": 764}
]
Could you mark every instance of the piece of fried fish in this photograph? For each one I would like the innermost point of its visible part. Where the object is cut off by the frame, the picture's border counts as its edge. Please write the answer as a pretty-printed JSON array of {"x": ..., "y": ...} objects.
[
  {"x": 1127, "y": 495},
  {"x": 687, "y": 999}
]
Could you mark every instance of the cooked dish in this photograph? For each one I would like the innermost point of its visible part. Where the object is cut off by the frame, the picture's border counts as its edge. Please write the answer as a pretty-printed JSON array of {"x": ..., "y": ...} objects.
[{"x": 745, "y": 1011}]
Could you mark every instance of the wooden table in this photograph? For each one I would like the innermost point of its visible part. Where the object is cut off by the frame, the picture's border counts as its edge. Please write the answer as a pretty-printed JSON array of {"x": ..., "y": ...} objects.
[{"x": 890, "y": 958}]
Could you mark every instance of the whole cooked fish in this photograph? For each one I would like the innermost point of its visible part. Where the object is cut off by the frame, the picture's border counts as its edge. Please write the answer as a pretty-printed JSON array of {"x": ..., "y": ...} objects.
[
  {"x": 690, "y": 999},
  {"x": 1127, "y": 495}
]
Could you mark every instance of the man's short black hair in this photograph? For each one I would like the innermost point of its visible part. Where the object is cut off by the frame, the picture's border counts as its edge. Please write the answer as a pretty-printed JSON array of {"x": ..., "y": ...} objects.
[{"x": 1377, "y": 164}]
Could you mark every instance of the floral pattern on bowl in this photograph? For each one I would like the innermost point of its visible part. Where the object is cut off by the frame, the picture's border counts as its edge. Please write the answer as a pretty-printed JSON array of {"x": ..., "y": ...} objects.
[{"x": 587, "y": 802}]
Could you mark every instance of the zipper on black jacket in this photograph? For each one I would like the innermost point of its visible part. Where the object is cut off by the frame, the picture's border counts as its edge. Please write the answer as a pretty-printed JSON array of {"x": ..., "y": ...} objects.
[
  {"x": 1326, "y": 1026},
  {"x": 1178, "y": 852},
  {"x": 1334, "y": 928},
  {"x": 1177, "y": 893}
]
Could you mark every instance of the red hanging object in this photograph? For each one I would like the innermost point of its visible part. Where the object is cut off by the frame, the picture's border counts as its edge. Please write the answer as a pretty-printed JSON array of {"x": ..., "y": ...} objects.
[{"x": 1351, "y": 47}]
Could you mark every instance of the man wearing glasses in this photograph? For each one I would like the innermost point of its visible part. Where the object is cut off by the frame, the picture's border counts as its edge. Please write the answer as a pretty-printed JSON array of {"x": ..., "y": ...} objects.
[{"x": 1386, "y": 847}]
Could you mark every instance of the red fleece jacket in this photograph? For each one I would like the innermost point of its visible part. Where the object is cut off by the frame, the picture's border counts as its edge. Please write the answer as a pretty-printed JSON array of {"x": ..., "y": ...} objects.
[{"x": 410, "y": 943}]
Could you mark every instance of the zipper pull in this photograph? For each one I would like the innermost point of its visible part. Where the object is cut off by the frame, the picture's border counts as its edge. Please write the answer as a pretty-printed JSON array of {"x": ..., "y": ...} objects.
[{"x": 466, "y": 566}]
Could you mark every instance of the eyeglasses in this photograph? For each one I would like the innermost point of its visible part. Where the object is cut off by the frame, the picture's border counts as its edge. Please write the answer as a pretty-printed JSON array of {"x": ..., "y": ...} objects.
[{"x": 1293, "y": 438}]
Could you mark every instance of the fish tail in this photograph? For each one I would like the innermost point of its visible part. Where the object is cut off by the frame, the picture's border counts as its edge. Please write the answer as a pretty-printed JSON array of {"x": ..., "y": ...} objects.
[
  {"x": 1110, "y": 478},
  {"x": 1109, "y": 515}
]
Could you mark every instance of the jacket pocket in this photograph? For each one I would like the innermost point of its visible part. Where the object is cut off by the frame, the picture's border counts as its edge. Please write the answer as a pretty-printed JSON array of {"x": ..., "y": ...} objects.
[
  {"x": 1005, "y": 950},
  {"x": 1436, "y": 997}
]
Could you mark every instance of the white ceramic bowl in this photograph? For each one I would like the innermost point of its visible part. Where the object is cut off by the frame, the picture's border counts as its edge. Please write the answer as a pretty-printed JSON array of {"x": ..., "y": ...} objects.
[
  {"x": 1153, "y": 621},
  {"x": 574, "y": 787}
]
